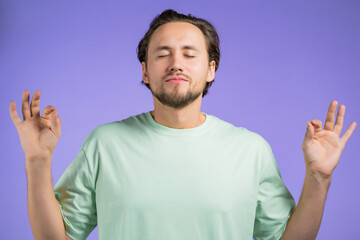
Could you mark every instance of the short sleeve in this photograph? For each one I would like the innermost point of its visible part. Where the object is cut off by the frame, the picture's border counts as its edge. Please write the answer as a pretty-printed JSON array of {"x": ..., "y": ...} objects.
[
  {"x": 275, "y": 204},
  {"x": 76, "y": 196}
]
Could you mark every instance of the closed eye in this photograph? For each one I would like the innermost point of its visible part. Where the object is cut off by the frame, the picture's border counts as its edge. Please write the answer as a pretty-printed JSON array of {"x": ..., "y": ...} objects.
[{"x": 188, "y": 56}]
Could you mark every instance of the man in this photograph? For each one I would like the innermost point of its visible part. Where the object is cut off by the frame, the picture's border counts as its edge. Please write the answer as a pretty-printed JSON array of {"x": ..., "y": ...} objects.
[{"x": 174, "y": 173}]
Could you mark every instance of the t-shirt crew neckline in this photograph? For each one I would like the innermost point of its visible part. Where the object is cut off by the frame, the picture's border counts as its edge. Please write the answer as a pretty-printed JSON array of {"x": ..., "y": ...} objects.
[{"x": 161, "y": 129}]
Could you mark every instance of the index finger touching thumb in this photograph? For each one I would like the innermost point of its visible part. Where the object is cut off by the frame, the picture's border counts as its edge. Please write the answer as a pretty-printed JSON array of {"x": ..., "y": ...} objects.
[{"x": 56, "y": 122}]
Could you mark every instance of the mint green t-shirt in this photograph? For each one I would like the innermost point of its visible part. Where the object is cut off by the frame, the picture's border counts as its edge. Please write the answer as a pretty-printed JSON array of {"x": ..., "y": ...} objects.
[{"x": 139, "y": 180}]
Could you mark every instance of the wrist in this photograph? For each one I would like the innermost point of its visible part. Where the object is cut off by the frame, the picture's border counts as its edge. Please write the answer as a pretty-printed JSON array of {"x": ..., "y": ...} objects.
[
  {"x": 37, "y": 162},
  {"x": 318, "y": 178},
  {"x": 319, "y": 171}
]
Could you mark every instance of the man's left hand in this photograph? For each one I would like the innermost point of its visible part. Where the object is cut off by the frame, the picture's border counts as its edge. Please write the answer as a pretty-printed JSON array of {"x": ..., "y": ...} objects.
[{"x": 322, "y": 148}]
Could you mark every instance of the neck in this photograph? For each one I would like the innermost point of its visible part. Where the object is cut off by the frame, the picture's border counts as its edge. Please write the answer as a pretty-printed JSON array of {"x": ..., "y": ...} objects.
[{"x": 179, "y": 119}]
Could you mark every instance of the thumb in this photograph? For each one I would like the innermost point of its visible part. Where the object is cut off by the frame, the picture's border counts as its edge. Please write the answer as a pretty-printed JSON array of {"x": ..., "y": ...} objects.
[
  {"x": 56, "y": 123},
  {"x": 309, "y": 135}
]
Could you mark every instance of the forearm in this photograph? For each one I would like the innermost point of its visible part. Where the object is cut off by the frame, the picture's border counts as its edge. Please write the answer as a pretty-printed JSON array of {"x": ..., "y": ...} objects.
[
  {"x": 44, "y": 211},
  {"x": 305, "y": 221}
]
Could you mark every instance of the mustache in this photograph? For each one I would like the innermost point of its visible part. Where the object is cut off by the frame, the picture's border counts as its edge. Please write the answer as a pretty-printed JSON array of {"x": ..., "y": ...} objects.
[{"x": 170, "y": 75}]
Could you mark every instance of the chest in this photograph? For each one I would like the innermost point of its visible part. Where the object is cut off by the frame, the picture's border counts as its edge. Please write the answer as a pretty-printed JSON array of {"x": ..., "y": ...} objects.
[{"x": 177, "y": 180}]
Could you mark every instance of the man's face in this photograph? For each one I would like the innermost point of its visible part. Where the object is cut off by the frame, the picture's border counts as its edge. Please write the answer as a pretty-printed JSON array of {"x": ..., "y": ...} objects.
[{"x": 177, "y": 49}]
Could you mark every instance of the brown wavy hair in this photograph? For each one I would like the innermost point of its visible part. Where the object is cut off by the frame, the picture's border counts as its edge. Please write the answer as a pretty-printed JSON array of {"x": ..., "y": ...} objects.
[{"x": 169, "y": 15}]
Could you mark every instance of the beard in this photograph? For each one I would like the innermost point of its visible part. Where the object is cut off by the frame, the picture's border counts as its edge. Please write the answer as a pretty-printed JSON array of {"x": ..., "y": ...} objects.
[{"x": 175, "y": 99}]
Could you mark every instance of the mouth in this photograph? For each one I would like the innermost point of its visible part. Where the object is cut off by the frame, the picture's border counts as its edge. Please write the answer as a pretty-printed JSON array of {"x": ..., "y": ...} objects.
[{"x": 176, "y": 80}]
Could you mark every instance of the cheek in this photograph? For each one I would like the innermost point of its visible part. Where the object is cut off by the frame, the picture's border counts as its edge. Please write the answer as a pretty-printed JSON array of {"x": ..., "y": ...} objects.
[
  {"x": 197, "y": 68},
  {"x": 201, "y": 69},
  {"x": 155, "y": 70}
]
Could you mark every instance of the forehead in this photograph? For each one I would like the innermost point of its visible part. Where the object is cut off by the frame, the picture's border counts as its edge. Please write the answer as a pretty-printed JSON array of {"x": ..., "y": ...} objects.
[{"x": 177, "y": 34}]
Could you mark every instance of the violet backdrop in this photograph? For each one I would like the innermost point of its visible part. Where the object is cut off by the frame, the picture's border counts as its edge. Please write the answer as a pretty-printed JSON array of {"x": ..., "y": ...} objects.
[{"x": 282, "y": 63}]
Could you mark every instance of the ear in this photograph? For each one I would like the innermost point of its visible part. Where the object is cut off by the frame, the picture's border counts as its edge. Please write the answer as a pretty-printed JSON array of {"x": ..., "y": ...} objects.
[
  {"x": 211, "y": 74},
  {"x": 144, "y": 73}
]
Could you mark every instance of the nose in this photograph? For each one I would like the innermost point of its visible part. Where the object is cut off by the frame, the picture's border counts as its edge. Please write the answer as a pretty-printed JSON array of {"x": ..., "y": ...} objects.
[{"x": 175, "y": 63}]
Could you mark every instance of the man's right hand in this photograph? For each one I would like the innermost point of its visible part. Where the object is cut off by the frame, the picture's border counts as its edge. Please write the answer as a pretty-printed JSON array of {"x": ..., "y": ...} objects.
[{"x": 38, "y": 134}]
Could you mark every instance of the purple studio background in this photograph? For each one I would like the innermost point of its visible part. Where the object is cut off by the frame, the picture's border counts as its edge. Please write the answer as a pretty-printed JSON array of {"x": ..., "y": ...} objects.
[{"x": 282, "y": 63}]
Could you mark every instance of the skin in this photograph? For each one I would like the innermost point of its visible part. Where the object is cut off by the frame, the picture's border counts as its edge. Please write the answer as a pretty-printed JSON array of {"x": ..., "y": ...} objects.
[
  {"x": 177, "y": 105},
  {"x": 38, "y": 134},
  {"x": 322, "y": 149}
]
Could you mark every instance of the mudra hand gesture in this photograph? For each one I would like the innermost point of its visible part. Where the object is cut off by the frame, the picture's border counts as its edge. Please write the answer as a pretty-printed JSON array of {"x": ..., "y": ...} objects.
[
  {"x": 38, "y": 134},
  {"x": 322, "y": 148}
]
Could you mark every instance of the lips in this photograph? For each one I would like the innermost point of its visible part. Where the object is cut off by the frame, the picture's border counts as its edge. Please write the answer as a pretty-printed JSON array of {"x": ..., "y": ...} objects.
[{"x": 175, "y": 78}]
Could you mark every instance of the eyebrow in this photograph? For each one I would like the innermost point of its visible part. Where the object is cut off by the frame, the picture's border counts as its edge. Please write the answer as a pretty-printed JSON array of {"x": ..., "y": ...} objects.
[{"x": 186, "y": 47}]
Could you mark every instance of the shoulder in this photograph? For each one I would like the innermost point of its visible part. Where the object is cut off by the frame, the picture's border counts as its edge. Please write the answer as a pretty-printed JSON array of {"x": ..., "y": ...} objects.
[
  {"x": 109, "y": 131},
  {"x": 113, "y": 128},
  {"x": 240, "y": 133},
  {"x": 102, "y": 131}
]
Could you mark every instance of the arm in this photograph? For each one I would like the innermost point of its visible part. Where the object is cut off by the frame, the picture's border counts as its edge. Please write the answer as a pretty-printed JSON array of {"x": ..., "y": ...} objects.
[
  {"x": 44, "y": 211},
  {"x": 39, "y": 136},
  {"x": 67, "y": 238},
  {"x": 304, "y": 223},
  {"x": 322, "y": 150}
]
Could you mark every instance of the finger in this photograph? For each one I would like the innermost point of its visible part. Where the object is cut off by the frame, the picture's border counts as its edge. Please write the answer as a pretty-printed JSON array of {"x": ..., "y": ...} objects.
[
  {"x": 330, "y": 117},
  {"x": 56, "y": 123},
  {"x": 13, "y": 113},
  {"x": 47, "y": 112},
  {"x": 317, "y": 125},
  {"x": 339, "y": 120},
  {"x": 348, "y": 132},
  {"x": 25, "y": 105},
  {"x": 309, "y": 135},
  {"x": 35, "y": 103}
]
